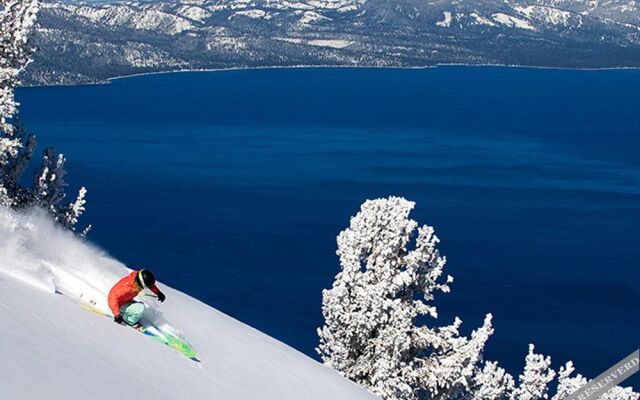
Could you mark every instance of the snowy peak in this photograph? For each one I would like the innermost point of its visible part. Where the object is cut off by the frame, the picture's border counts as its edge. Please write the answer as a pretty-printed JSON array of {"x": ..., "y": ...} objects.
[
  {"x": 544, "y": 14},
  {"x": 134, "y": 17},
  {"x": 173, "y": 17},
  {"x": 512, "y": 22}
]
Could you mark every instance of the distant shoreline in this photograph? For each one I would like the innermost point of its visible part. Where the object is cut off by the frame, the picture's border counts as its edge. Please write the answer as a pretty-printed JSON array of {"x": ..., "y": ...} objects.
[{"x": 176, "y": 71}]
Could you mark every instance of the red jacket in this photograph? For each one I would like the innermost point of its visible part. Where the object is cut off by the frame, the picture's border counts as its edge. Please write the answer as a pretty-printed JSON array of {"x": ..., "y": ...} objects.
[{"x": 124, "y": 292}]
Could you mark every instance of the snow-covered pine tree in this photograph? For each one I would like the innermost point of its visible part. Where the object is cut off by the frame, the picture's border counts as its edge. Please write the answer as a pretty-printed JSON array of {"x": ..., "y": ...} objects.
[
  {"x": 70, "y": 215},
  {"x": 13, "y": 167},
  {"x": 535, "y": 379},
  {"x": 49, "y": 184},
  {"x": 538, "y": 374},
  {"x": 372, "y": 333},
  {"x": 17, "y": 21},
  {"x": 492, "y": 383},
  {"x": 568, "y": 384},
  {"x": 49, "y": 190},
  {"x": 620, "y": 393}
]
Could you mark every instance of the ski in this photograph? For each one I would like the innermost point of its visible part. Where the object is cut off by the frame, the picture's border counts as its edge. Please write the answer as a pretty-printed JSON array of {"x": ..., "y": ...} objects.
[{"x": 164, "y": 337}]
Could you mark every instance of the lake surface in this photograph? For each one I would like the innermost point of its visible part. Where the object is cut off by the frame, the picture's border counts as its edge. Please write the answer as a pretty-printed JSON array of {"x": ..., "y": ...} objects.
[{"x": 232, "y": 187}]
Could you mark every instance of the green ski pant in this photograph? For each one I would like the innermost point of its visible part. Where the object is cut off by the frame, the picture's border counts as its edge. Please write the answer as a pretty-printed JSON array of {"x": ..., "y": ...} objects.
[{"x": 132, "y": 312}]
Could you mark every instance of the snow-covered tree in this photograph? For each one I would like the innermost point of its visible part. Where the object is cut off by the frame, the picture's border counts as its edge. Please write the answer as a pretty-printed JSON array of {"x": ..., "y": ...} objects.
[
  {"x": 74, "y": 210},
  {"x": 17, "y": 21},
  {"x": 49, "y": 185},
  {"x": 13, "y": 168},
  {"x": 492, "y": 383},
  {"x": 620, "y": 393},
  {"x": 534, "y": 381},
  {"x": 538, "y": 375},
  {"x": 374, "y": 331},
  {"x": 567, "y": 384}
]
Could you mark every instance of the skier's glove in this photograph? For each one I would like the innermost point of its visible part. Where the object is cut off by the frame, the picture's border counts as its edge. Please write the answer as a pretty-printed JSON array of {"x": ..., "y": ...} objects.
[
  {"x": 118, "y": 319},
  {"x": 161, "y": 297}
]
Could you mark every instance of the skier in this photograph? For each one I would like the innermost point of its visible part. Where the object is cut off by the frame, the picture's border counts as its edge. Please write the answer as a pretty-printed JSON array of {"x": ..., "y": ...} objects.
[{"x": 122, "y": 294}]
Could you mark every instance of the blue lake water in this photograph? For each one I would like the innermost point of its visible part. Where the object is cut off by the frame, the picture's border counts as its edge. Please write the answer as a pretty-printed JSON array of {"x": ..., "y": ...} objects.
[{"x": 232, "y": 187}]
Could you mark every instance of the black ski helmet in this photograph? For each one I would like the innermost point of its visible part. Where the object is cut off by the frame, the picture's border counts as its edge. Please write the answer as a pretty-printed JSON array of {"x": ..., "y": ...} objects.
[{"x": 146, "y": 278}]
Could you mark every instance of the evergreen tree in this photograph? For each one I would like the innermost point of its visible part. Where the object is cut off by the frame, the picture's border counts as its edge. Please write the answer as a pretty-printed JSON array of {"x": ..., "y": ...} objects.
[
  {"x": 17, "y": 21},
  {"x": 492, "y": 383},
  {"x": 538, "y": 375},
  {"x": 371, "y": 333},
  {"x": 535, "y": 379},
  {"x": 566, "y": 383}
]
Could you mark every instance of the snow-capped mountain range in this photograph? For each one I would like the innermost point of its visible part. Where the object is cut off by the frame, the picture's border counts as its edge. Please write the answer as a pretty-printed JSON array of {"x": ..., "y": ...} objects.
[{"x": 92, "y": 41}]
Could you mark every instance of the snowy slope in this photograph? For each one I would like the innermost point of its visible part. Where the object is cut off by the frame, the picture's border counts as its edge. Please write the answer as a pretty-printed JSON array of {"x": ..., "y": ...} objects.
[{"x": 52, "y": 348}]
